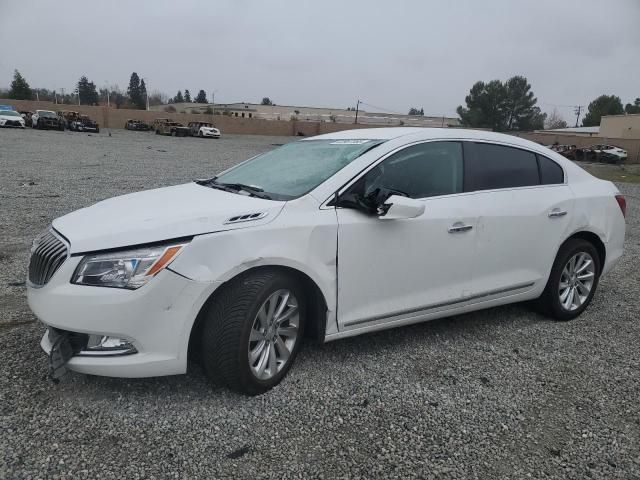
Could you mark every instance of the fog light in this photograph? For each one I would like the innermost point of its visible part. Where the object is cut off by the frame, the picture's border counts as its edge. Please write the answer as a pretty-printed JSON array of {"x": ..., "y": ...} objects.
[{"x": 105, "y": 345}]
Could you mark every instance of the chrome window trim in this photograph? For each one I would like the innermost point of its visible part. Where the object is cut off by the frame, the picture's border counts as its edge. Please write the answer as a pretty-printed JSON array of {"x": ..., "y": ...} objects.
[{"x": 372, "y": 165}]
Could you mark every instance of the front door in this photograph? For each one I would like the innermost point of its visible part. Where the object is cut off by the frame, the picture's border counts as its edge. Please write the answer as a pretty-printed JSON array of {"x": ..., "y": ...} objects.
[{"x": 397, "y": 270}]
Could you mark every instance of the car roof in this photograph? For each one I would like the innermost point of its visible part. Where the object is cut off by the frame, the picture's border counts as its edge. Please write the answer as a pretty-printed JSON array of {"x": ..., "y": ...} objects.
[{"x": 420, "y": 133}]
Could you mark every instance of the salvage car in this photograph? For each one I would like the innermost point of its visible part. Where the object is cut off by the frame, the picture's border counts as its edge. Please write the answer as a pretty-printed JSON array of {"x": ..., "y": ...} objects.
[
  {"x": 235, "y": 269},
  {"x": 203, "y": 129},
  {"x": 84, "y": 124},
  {"x": 172, "y": 128},
  {"x": 601, "y": 153},
  {"x": 138, "y": 125},
  {"x": 69, "y": 117},
  {"x": 11, "y": 118},
  {"x": 48, "y": 120}
]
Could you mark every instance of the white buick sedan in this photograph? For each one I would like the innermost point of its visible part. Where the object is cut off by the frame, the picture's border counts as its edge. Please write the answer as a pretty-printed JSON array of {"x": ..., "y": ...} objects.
[{"x": 326, "y": 237}]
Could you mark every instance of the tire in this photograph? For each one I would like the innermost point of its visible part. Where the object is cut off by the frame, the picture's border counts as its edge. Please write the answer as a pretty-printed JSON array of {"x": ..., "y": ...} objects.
[
  {"x": 232, "y": 317},
  {"x": 97, "y": 130},
  {"x": 200, "y": 134},
  {"x": 550, "y": 302}
]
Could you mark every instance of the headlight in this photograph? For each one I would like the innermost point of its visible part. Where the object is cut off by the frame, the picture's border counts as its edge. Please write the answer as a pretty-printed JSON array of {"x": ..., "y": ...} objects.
[{"x": 125, "y": 269}]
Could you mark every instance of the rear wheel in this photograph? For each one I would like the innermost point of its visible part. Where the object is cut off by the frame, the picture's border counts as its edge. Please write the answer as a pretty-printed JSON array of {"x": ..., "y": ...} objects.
[
  {"x": 253, "y": 331},
  {"x": 200, "y": 133},
  {"x": 572, "y": 282}
]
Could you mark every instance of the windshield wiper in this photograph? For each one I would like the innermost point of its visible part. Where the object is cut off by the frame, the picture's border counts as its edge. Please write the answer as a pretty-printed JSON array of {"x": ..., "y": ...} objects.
[{"x": 235, "y": 187}]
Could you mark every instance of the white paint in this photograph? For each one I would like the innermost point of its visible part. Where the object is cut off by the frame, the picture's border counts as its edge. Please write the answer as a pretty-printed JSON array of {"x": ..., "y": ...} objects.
[{"x": 374, "y": 272}]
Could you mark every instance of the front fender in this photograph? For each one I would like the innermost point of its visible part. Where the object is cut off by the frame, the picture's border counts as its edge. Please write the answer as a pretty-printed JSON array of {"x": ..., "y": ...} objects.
[{"x": 309, "y": 247}]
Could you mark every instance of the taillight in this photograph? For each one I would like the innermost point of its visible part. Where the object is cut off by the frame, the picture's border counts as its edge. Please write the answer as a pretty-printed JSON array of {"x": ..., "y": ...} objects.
[{"x": 622, "y": 203}]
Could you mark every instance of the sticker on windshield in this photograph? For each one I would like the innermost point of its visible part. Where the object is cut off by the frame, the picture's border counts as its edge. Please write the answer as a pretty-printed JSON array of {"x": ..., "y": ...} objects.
[{"x": 349, "y": 142}]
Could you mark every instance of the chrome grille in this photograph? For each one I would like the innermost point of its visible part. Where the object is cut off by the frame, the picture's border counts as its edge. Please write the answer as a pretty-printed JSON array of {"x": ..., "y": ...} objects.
[{"x": 47, "y": 254}]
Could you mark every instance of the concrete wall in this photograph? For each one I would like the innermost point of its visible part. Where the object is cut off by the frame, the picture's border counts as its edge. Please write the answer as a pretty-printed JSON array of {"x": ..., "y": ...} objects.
[
  {"x": 621, "y": 126},
  {"x": 315, "y": 114},
  {"x": 632, "y": 146},
  {"x": 116, "y": 118}
]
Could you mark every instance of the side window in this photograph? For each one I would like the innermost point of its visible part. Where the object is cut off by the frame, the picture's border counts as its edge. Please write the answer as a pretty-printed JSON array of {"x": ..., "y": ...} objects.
[
  {"x": 423, "y": 170},
  {"x": 550, "y": 172},
  {"x": 489, "y": 166}
]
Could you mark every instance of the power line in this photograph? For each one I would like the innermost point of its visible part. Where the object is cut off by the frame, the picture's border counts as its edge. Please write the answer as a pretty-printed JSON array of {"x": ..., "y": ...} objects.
[{"x": 381, "y": 108}]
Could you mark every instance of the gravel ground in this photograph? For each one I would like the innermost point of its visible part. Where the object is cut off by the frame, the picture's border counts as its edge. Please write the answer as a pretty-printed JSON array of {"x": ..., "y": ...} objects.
[{"x": 502, "y": 393}]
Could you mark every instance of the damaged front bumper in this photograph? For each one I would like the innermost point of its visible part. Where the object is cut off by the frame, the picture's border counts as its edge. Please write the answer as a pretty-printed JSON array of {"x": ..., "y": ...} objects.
[
  {"x": 116, "y": 332},
  {"x": 62, "y": 345}
]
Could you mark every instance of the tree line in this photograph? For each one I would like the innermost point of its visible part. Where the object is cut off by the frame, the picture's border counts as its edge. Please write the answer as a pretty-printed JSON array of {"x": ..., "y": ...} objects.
[
  {"x": 511, "y": 105},
  {"x": 499, "y": 106},
  {"x": 86, "y": 93}
]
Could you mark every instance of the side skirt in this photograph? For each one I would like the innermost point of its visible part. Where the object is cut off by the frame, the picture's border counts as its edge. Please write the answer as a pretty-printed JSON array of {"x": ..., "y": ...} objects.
[{"x": 432, "y": 312}]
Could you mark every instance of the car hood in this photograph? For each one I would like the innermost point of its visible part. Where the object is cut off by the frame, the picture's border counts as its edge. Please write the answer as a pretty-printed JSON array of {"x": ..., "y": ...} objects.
[
  {"x": 10, "y": 117},
  {"x": 161, "y": 214}
]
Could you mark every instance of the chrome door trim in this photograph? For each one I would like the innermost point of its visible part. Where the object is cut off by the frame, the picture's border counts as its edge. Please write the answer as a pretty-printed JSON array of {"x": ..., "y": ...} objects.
[{"x": 426, "y": 309}]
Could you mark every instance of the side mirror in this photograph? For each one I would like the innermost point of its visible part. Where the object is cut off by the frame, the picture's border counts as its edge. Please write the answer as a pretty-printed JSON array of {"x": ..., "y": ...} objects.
[{"x": 397, "y": 207}]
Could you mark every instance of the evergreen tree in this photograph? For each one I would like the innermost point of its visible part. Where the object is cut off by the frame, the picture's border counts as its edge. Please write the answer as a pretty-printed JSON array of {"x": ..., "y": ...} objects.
[
  {"x": 178, "y": 98},
  {"x": 601, "y": 106},
  {"x": 632, "y": 108},
  {"x": 143, "y": 95},
  {"x": 202, "y": 97},
  {"x": 20, "y": 89},
  {"x": 87, "y": 92},
  {"x": 502, "y": 106},
  {"x": 187, "y": 96},
  {"x": 134, "y": 91}
]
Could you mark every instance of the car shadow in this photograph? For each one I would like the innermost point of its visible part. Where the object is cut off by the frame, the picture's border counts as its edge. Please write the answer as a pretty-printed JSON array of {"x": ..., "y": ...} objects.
[{"x": 481, "y": 325}]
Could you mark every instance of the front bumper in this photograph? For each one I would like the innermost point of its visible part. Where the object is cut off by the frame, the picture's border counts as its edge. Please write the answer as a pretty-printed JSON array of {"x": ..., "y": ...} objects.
[
  {"x": 210, "y": 134},
  {"x": 157, "y": 319},
  {"x": 12, "y": 124}
]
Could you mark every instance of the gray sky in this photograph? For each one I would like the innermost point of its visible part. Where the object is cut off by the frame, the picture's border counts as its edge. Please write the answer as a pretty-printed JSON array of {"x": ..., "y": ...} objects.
[{"x": 393, "y": 54}]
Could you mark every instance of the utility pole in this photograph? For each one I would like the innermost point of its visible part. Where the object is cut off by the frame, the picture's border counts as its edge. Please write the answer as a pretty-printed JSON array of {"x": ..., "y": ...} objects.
[
  {"x": 213, "y": 104},
  {"x": 357, "y": 108},
  {"x": 577, "y": 111}
]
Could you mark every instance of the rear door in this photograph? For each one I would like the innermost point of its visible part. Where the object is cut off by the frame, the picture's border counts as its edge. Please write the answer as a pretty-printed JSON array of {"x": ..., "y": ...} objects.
[{"x": 524, "y": 207}]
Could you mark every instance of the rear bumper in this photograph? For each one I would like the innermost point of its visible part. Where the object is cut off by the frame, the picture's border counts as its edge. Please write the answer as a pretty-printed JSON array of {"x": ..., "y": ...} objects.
[{"x": 157, "y": 319}]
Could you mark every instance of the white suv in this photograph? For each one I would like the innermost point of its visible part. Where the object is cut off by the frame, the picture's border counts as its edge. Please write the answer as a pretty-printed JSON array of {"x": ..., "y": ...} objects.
[{"x": 328, "y": 237}]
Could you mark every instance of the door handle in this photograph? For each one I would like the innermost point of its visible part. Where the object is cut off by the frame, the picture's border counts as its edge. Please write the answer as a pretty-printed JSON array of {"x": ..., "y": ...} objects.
[
  {"x": 556, "y": 212},
  {"x": 459, "y": 227}
]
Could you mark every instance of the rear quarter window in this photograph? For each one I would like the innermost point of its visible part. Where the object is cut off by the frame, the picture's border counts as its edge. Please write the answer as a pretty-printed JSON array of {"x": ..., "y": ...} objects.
[{"x": 550, "y": 172}]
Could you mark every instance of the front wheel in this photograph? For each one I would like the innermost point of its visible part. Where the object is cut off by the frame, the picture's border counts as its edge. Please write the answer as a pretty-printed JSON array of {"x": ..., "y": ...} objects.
[
  {"x": 572, "y": 282},
  {"x": 253, "y": 331}
]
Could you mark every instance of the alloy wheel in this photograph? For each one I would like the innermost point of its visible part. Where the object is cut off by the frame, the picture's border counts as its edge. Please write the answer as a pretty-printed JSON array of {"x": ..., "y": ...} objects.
[
  {"x": 576, "y": 281},
  {"x": 274, "y": 334}
]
